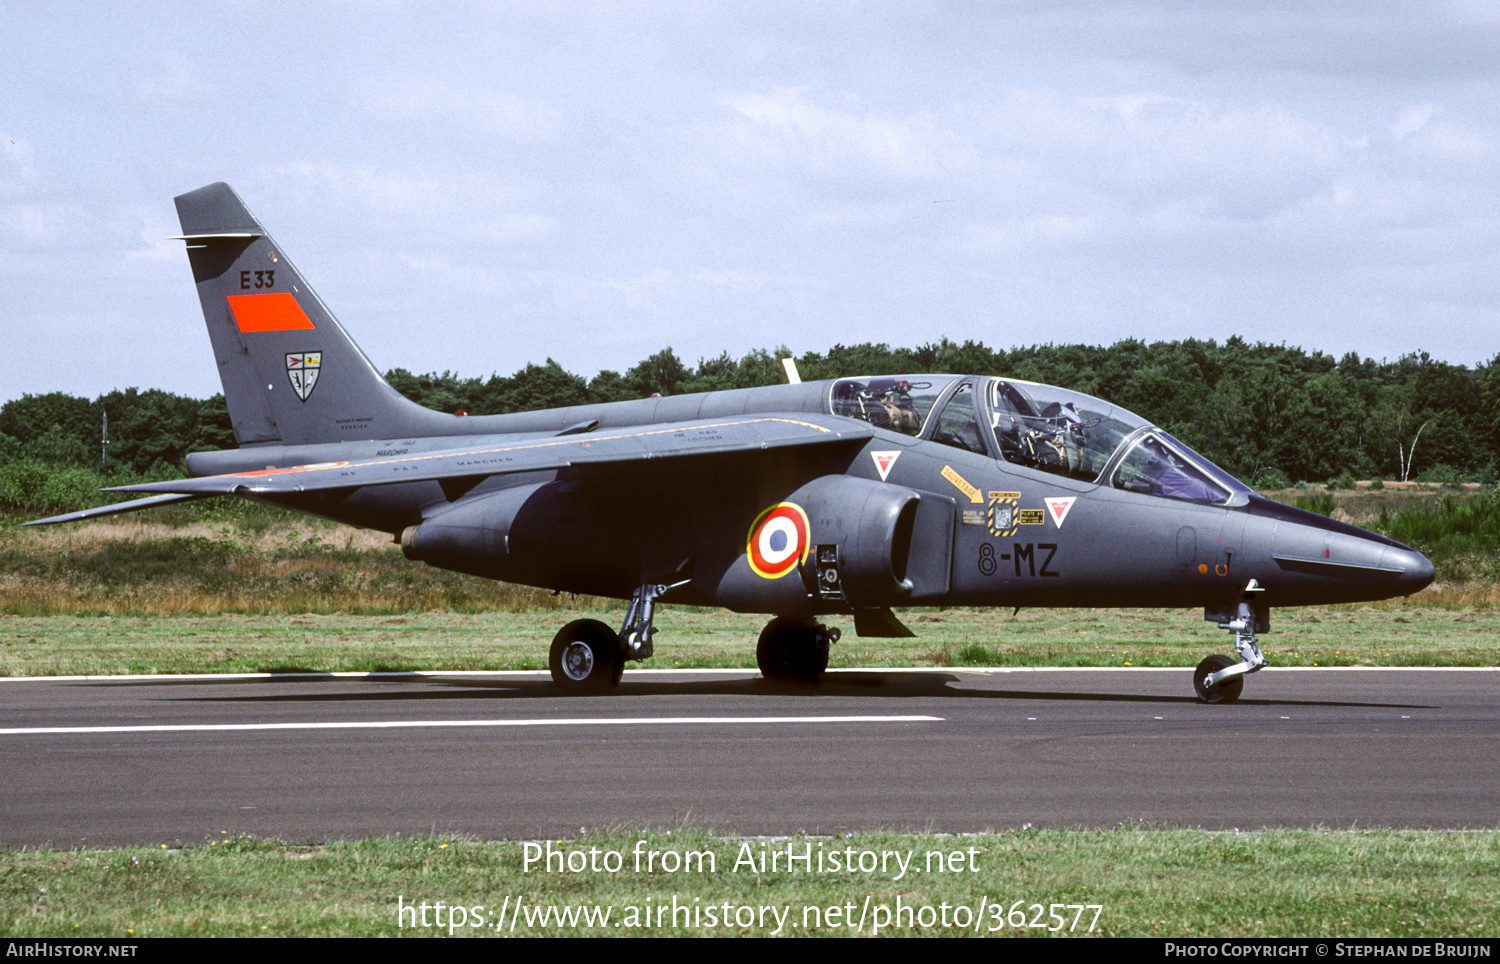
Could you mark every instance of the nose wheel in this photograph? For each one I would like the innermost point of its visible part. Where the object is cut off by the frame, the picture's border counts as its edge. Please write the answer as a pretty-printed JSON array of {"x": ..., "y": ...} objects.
[{"x": 1227, "y": 690}]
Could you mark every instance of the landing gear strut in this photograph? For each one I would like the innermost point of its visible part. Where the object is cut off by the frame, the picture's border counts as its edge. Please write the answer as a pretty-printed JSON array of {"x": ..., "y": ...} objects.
[
  {"x": 1219, "y": 679},
  {"x": 636, "y": 631},
  {"x": 793, "y": 650}
]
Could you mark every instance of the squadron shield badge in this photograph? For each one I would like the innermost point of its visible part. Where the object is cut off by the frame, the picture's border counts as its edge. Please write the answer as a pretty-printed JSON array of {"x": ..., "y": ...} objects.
[{"x": 302, "y": 370}]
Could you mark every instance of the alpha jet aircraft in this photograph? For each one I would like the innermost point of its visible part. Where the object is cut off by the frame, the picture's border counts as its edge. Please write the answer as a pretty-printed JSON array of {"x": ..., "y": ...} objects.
[{"x": 853, "y": 497}]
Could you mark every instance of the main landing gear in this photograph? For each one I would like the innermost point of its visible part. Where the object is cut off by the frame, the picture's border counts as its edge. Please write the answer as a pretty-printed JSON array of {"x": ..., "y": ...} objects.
[
  {"x": 794, "y": 650},
  {"x": 1219, "y": 679},
  {"x": 588, "y": 658}
]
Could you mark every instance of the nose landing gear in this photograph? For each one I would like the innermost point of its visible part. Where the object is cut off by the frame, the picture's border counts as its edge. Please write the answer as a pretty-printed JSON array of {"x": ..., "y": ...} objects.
[
  {"x": 1226, "y": 690},
  {"x": 1219, "y": 679}
]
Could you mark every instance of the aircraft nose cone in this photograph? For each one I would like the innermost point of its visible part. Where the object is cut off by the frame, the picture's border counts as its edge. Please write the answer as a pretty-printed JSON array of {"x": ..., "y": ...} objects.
[
  {"x": 1419, "y": 571},
  {"x": 1315, "y": 560}
]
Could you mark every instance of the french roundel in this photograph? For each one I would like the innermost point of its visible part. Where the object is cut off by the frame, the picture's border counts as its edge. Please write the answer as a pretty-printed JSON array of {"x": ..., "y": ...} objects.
[{"x": 779, "y": 540}]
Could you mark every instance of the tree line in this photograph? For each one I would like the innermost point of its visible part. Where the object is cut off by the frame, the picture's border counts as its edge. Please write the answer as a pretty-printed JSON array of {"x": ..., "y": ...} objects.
[{"x": 1270, "y": 414}]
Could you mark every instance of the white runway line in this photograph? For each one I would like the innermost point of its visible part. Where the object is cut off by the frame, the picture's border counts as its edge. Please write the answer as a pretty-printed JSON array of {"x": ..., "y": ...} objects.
[
  {"x": 638, "y": 673},
  {"x": 417, "y": 724}
]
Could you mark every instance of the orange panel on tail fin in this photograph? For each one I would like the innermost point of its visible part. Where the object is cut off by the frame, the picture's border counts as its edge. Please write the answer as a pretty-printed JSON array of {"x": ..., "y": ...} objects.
[{"x": 276, "y": 311}]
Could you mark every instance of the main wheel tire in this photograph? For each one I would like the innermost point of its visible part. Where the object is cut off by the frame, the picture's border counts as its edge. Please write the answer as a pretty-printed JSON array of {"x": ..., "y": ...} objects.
[
  {"x": 792, "y": 651},
  {"x": 1227, "y": 691},
  {"x": 585, "y": 659}
]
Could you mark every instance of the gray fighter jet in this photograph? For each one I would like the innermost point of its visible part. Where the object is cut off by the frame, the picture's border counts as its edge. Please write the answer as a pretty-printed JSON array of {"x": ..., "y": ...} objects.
[{"x": 853, "y": 497}]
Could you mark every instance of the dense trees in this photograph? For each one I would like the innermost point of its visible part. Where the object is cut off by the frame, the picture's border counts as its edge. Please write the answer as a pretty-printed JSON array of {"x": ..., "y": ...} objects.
[
  {"x": 149, "y": 432},
  {"x": 1268, "y": 413}
]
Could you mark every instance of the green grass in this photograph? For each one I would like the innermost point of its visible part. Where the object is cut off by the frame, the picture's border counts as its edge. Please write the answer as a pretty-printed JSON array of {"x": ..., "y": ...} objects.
[
  {"x": 1150, "y": 883},
  {"x": 182, "y": 563},
  {"x": 1323, "y": 503},
  {"x": 704, "y": 638}
]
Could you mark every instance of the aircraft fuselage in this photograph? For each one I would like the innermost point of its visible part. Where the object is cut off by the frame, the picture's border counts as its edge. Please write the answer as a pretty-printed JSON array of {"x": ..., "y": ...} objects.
[{"x": 859, "y": 496}]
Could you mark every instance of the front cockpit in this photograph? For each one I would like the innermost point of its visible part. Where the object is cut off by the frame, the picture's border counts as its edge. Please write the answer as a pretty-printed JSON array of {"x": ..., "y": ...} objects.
[{"x": 1039, "y": 428}]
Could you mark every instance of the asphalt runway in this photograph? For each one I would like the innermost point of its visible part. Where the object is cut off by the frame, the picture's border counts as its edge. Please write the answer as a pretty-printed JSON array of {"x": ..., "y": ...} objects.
[{"x": 179, "y": 761}]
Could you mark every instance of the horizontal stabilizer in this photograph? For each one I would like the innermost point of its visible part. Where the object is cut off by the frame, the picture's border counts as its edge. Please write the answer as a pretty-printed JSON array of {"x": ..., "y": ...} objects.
[
  {"x": 217, "y": 236},
  {"x": 135, "y": 505},
  {"x": 508, "y": 456}
]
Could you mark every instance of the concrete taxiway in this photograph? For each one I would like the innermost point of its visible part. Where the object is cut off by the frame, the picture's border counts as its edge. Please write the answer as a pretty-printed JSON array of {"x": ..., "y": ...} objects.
[{"x": 97, "y": 762}]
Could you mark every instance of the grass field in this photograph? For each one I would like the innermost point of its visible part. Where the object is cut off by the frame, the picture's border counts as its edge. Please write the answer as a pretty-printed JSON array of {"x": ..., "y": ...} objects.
[
  {"x": 1145, "y": 883},
  {"x": 697, "y": 638}
]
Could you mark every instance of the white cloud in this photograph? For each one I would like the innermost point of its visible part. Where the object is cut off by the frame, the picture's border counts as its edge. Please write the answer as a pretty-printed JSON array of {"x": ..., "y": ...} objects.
[
  {"x": 466, "y": 206},
  {"x": 1440, "y": 140},
  {"x": 648, "y": 289},
  {"x": 402, "y": 193},
  {"x": 41, "y": 224},
  {"x": 1224, "y": 149},
  {"x": 152, "y": 231},
  {"x": 438, "y": 272}
]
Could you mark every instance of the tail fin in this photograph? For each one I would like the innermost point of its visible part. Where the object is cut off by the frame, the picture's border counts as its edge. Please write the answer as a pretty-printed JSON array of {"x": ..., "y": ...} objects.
[{"x": 290, "y": 372}]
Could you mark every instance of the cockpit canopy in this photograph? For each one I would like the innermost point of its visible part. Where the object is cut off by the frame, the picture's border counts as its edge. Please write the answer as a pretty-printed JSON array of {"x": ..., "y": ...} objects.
[
  {"x": 900, "y": 403},
  {"x": 1038, "y": 427}
]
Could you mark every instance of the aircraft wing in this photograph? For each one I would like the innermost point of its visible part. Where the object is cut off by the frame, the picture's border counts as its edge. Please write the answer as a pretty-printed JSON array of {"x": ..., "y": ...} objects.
[{"x": 631, "y": 444}]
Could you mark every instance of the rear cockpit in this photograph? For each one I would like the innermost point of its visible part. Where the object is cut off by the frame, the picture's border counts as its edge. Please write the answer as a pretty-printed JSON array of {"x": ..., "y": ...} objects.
[
  {"x": 897, "y": 403},
  {"x": 1040, "y": 428}
]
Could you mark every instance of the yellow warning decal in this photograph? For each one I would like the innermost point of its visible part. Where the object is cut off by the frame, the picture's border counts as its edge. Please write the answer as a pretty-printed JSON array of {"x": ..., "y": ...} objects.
[{"x": 962, "y": 484}]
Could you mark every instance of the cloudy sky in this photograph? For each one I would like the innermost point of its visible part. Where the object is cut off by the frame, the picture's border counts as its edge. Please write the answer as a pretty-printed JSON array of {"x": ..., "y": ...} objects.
[{"x": 477, "y": 186}]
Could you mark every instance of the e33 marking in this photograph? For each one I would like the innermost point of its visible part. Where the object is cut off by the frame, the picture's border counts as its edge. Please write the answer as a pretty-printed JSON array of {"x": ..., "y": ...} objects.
[{"x": 263, "y": 279}]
